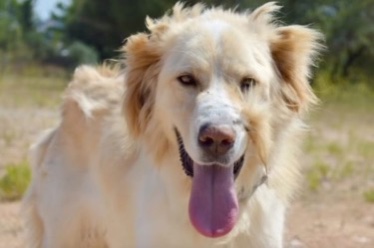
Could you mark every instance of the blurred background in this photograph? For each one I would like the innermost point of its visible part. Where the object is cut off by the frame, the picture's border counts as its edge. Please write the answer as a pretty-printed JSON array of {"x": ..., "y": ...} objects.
[{"x": 42, "y": 41}]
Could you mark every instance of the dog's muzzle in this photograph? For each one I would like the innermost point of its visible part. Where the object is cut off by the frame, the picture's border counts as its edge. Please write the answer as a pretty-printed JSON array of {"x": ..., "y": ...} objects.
[{"x": 187, "y": 162}]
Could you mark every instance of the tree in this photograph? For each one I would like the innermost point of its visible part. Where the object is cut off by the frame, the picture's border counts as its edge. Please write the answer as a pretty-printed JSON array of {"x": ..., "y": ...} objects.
[
  {"x": 16, "y": 23},
  {"x": 105, "y": 24}
]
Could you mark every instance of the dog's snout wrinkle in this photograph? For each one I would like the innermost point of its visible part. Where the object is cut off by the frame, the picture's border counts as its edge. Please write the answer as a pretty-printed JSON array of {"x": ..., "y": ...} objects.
[{"x": 216, "y": 139}]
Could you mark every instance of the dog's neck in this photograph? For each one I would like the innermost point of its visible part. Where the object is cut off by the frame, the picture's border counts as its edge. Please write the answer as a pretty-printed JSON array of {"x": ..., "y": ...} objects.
[{"x": 246, "y": 194}]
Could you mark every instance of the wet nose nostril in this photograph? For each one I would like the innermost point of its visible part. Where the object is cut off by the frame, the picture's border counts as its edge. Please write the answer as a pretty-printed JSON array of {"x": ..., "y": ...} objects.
[
  {"x": 205, "y": 141},
  {"x": 227, "y": 142},
  {"x": 216, "y": 139}
]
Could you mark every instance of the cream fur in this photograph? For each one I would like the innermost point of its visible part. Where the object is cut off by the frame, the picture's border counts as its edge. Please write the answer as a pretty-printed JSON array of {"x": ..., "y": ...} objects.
[{"x": 109, "y": 174}]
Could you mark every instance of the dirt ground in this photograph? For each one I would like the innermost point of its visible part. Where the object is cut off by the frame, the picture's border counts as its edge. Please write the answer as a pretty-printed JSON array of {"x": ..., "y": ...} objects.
[{"x": 333, "y": 214}]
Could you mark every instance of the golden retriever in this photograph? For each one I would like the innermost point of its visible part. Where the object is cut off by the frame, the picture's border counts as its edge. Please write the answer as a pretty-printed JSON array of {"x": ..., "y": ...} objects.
[{"x": 192, "y": 144}]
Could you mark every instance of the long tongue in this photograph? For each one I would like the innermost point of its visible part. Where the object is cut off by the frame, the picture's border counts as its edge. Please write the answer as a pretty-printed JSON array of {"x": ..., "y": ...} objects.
[{"x": 213, "y": 206}]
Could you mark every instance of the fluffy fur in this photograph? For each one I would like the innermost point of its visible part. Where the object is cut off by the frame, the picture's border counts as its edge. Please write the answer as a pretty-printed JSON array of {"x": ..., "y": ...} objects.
[{"x": 109, "y": 174}]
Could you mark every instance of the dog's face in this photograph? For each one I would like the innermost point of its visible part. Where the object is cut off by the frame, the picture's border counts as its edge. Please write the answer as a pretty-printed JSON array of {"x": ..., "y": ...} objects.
[
  {"x": 211, "y": 76},
  {"x": 213, "y": 86}
]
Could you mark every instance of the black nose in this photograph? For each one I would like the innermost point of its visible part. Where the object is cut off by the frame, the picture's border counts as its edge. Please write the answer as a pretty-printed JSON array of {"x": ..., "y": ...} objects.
[{"x": 216, "y": 139}]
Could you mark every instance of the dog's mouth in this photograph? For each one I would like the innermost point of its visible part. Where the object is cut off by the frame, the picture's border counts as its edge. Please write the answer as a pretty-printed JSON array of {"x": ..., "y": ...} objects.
[
  {"x": 187, "y": 162},
  {"x": 213, "y": 204}
]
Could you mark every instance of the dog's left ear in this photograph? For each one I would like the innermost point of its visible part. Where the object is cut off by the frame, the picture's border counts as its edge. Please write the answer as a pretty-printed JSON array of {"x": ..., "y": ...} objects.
[
  {"x": 142, "y": 58},
  {"x": 294, "y": 49}
]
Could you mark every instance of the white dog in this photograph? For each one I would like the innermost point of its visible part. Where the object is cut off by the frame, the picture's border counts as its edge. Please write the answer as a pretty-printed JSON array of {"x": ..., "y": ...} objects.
[{"x": 193, "y": 144}]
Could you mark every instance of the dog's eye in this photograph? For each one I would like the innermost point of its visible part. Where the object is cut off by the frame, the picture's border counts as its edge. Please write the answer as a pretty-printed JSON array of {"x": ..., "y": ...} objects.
[
  {"x": 187, "y": 80},
  {"x": 247, "y": 83}
]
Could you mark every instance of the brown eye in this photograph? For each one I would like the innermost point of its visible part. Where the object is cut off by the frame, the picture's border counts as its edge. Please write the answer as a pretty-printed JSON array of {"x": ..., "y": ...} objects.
[
  {"x": 187, "y": 80},
  {"x": 247, "y": 83}
]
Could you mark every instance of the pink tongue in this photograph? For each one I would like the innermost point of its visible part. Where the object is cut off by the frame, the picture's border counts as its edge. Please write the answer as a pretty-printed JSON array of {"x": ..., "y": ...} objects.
[{"x": 213, "y": 204}]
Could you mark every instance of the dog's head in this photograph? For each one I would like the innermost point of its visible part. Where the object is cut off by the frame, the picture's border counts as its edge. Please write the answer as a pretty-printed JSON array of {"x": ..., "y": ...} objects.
[{"x": 216, "y": 86}]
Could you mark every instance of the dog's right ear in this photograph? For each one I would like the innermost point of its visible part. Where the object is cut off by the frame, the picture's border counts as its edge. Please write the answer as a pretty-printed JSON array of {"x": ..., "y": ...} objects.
[{"x": 142, "y": 58}]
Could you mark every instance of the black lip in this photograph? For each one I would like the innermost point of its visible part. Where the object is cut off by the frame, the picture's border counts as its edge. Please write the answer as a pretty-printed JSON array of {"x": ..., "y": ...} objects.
[{"x": 187, "y": 162}]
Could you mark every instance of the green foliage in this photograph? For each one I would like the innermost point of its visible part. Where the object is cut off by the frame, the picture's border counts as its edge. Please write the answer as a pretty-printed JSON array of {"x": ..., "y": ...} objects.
[
  {"x": 317, "y": 174},
  {"x": 19, "y": 40},
  {"x": 346, "y": 25},
  {"x": 347, "y": 169},
  {"x": 104, "y": 25},
  {"x": 95, "y": 28},
  {"x": 369, "y": 195},
  {"x": 15, "y": 181},
  {"x": 81, "y": 53},
  {"x": 366, "y": 149},
  {"x": 334, "y": 148},
  {"x": 24, "y": 39},
  {"x": 349, "y": 34}
]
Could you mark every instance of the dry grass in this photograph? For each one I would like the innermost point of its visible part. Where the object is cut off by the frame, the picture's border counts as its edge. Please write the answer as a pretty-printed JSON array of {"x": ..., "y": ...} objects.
[
  {"x": 25, "y": 96},
  {"x": 32, "y": 88},
  {"x": 340, "y": 146}
]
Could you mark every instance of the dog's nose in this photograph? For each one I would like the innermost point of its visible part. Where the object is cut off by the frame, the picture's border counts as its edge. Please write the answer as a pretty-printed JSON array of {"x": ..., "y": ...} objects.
[{"x": 216, "y": 139}]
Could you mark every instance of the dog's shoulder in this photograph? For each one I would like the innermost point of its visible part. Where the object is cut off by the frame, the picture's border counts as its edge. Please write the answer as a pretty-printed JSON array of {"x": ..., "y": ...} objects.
[
  {"x": 92, "y": 96},
  {"x": 93, "y": 90}
]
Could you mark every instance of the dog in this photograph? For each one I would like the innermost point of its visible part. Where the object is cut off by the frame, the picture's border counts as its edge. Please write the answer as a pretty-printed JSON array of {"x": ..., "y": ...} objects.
[{"x": 190, "y": 141}]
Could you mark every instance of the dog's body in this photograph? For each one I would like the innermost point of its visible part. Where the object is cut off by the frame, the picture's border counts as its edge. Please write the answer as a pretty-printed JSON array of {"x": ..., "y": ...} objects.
[{"x": 213, "y": 103}]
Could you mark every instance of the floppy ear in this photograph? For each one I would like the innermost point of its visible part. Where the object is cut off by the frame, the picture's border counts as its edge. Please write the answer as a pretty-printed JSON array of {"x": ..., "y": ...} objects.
[
  {"x": 294, "y": 49},
  {"x": 142, "y": 67}
]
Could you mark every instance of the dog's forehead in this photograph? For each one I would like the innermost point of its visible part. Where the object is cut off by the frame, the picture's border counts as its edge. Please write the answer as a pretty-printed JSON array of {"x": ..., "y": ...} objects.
[
  {"x": 211, "y": 38},
  {"x": 216, "y": 43},
  {"x": 215, "y": 29}
]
